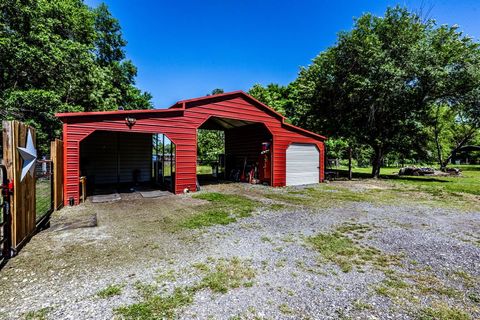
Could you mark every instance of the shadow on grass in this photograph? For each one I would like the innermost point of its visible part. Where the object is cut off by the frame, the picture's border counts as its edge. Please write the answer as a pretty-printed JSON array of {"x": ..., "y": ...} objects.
[{"x": 363, "y": 175}]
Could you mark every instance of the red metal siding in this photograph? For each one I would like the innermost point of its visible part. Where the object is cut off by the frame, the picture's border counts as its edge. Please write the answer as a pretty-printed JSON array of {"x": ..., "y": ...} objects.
[{"x": 180, "y": 125}]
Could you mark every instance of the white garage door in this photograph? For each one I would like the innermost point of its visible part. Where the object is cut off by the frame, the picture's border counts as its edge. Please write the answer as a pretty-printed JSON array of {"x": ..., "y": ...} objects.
[{"x": 302, "y": 164}]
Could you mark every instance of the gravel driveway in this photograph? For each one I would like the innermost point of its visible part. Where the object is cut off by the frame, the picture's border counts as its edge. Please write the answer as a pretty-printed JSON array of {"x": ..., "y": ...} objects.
[{"x": 420, "y": 261}]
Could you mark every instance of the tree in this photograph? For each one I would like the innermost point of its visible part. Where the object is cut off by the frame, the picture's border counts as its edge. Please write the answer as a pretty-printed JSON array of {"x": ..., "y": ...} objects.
[
  {"x": 58, "y": 56},
  {"x": 455, "y": 90},
  {"x": 377, "y": 85},
  {"x": 109, "y": 43},
  {"x": 217, "y": 91},
  {"x": 210, "y": 143},
  {"x": 280, "y": 98},
  {"x": 454, "y": 126}
]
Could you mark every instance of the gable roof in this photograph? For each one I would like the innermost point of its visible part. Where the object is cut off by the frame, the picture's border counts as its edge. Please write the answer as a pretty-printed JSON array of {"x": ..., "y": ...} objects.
[
  {"x": 226, "y": 96},
  {"x": 182, "y": 105}
]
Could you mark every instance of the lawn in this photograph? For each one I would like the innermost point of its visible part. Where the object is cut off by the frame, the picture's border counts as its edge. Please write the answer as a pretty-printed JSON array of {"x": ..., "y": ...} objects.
[
  {"x": 204, "y": 169},
  {"x": 43, "y": 197},
  {"x": 468, "y": 182}
]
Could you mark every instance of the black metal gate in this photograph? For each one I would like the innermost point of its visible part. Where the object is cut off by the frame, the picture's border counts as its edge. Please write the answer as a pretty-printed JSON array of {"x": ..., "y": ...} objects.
[{"x": 5, "y": 234}]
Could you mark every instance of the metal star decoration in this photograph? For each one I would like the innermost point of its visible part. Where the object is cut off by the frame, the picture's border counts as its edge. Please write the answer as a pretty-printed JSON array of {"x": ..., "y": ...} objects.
[{"x": 29, "y": 156}]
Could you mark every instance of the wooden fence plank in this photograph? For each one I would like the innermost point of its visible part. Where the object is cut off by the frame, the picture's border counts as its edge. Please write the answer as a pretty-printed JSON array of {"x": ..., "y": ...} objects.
[
  {"x": 57, "y": 159},
  {"x": 23, "y": 201},
  {"x": 8, "y": 161}
]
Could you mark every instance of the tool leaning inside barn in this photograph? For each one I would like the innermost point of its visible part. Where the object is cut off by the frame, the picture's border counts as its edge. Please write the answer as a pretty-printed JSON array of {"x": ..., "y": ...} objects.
[{"x": 258, "y": 172}]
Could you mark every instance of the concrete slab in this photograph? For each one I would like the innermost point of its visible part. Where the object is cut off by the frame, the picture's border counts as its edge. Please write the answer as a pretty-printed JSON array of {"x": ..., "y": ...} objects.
[
  {"x": 154, "y": 194},
  {"x": 105, "y": 198}
]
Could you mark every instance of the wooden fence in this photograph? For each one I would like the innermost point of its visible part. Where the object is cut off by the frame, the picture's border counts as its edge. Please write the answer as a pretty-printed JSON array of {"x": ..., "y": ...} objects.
[
  {"x": 22, "y": 207},
  {"x": 37, "y": 184}
]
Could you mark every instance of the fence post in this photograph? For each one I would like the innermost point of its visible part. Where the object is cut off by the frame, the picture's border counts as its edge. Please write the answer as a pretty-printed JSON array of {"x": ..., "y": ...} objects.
[{"x": 56, "y": 152}]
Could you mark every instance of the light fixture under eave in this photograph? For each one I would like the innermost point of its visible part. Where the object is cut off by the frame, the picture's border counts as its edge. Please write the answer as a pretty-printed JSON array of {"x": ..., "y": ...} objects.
[{"x": 130, "y": 122}]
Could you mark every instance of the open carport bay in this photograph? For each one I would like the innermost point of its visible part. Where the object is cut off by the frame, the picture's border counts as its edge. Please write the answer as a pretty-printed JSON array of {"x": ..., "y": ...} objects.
[{"x": 417, "y": 257}]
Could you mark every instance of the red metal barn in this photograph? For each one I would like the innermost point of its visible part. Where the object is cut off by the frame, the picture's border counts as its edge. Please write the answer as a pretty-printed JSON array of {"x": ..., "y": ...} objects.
[{"x": 116, "y": 146}]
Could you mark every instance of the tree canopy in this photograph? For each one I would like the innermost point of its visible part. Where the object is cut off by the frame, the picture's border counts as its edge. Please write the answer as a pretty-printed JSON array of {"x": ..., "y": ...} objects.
[
  {"x": 379, "y": 84},
  {"x": 58, "y": 56},
  {"x": 278, "y": 97}
]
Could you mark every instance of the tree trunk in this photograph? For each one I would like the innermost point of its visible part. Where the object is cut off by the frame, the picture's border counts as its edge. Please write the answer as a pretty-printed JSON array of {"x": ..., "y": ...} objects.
[
  {"x": 377, "y": 162},
  {"x": 462, "y": 142},
  {"x": 437, "y": 140},
  {"x": 349, "y": 163}
]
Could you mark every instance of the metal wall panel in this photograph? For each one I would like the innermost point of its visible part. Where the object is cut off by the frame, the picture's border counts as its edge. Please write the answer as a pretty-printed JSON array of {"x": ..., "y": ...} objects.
[{"x": 112, "y": 157}]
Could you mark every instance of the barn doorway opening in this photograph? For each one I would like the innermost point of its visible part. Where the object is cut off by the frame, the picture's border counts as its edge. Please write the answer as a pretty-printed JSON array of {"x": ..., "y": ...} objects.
[
  {"x": 236, "y": 150},
  {"x": 163, "y": 165},
  {"x": 124, "y": 162}
]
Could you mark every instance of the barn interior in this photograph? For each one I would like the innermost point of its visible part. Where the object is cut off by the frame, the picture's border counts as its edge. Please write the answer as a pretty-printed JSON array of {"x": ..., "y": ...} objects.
[
  {"x": 127, "y": 162},
  {"x": 245, "y": 157}
]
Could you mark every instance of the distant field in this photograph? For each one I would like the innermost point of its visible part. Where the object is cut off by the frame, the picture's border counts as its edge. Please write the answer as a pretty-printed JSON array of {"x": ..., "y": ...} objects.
[
  {"x": 204, "y": 169},
  {"x": 468, "y": 182}
]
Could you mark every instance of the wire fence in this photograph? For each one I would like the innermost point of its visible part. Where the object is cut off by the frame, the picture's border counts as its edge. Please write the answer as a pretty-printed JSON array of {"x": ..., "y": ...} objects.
[{"x": 43, "y": 188}]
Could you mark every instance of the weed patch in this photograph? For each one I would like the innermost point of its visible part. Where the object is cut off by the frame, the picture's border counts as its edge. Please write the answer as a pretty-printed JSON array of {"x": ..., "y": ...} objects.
[
  {"x": 40, "y": 314},
  {"x": 157, "y": 306},
  {"x": 163, "y": 276},
  {"x": 285, "y": 309},
  {"x": 339, "y": 248},
  {"x": 222, "y": 209},
  {"x": 443, "y": 312},
  {"x": 227, "y": 274},
  {"x": 110, "y": 291},
  {"x": 277, "y": 206},
  {"x": 145, "y": 290},
  {"x": 392, "y": 286}
]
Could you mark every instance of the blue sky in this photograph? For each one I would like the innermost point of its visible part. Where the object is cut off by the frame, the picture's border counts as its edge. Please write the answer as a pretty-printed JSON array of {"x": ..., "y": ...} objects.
[{"x": 185, "y": 49}]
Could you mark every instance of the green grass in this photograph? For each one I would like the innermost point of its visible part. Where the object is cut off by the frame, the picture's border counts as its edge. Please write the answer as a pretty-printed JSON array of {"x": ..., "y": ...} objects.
[
  {"x": 392, "y": 286},
  {"x": 450, "y": 192},
  {"x": 468, "y": 182},
  {"x": 221, "y": 209},
  {"x": 430, "y": 284},
  {"x": 276, "y": 206},
  {"x": 43, "y": 197},
  {"x": 442, "y": 312},
  {"x": 157, "y": 306},
  {"x": 405, "y": 290},
  {"x": 227, "y": 274},
  {"x": 223, "y": 275},
  {"x": 40, "y": 314},
  {"x": 319, "y": 196},
  {"x": 361, "y": 305},
  {"x": 145, "y": 290},
  {"x": 110, "y": 291},
  {"x": 285, "y": 309},
  {"x": 342, "y": 248},
  {"x": 336, "y": 248},
  {"x": 204, "y": 169},
  {"x": 168, "y": 275}
]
